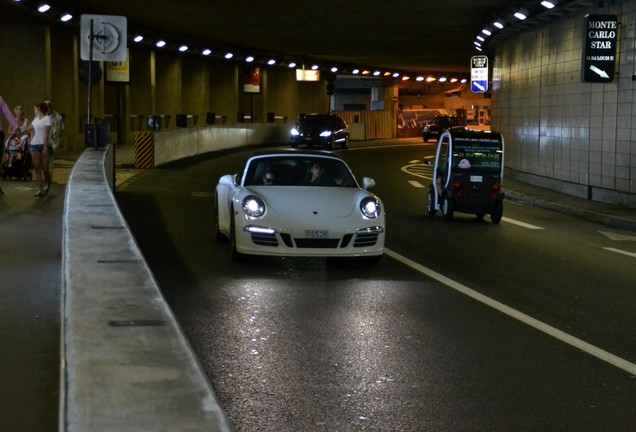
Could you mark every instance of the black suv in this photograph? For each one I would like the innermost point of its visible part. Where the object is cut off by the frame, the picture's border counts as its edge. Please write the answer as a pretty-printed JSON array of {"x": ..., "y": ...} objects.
[
  {"x": 327, "y": 130},
  {"x": 437, "y": 125}
]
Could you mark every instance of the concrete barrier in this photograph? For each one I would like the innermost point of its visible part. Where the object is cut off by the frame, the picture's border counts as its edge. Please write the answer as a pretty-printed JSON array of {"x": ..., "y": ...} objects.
[
  {"x": 126, "y": 364},
  {"x": 175, "y": 144}
]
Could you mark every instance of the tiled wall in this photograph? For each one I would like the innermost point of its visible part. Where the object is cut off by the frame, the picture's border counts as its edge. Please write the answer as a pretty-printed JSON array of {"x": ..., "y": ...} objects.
[{"x": 557, "y": 126}]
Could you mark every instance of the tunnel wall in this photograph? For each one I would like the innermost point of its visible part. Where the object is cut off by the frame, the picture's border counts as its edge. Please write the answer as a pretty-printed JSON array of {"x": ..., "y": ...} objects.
[{"x": 562, "y": 133}]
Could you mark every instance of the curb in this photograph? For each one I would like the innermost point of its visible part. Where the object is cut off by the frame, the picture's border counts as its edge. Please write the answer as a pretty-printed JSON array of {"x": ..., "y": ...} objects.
[{"x": 588, "y": 215}]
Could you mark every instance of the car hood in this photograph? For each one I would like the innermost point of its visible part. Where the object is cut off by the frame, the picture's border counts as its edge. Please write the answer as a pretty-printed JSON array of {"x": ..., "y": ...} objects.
[{"x": 308, "y": 201}]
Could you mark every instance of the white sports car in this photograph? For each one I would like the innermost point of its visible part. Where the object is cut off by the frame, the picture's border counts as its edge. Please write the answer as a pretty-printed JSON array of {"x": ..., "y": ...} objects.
[{"x": 299, "y": 204}]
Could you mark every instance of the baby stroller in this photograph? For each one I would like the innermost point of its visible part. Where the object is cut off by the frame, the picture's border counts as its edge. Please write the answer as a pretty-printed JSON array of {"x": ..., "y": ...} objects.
[{"x": 16, "y": 159}]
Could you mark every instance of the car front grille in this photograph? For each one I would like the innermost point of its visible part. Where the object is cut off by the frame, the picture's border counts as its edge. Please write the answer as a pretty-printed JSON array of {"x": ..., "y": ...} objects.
[
  {"x": 264, "y": 239},
  {"x": 317, "y": 243},
  {"x": 366, "y": 239}
]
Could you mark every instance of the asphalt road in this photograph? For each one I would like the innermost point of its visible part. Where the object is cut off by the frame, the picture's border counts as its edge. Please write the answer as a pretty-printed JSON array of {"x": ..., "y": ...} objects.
[{"x": 527, "y": 325}]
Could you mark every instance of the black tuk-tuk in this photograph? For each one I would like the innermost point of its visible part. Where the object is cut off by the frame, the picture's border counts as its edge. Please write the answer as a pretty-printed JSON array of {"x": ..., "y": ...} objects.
[{"x": 468, "y": 173}]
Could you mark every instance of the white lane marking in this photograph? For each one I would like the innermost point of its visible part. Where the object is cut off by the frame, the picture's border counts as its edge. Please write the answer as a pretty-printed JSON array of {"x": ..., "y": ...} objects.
[
  {"x": 419, "y": 170},
  {"x": 521, "y": 224},
  {"x": 617, "y": 236},
  {"x": 416, "y": 184},
  {"x": 631, "y": 254},
  {"x": 519, "y": 316}
]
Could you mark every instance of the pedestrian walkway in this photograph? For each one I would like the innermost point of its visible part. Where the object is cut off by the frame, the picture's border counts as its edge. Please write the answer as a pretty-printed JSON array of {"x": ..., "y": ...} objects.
[{"x": 30, "y": 252}]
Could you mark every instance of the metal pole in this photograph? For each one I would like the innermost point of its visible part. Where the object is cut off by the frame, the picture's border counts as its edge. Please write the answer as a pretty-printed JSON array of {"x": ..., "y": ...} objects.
[{"x": 90, "y": 79}]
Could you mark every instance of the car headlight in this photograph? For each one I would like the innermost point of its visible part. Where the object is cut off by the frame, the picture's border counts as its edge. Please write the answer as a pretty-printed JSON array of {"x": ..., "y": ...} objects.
[
  {"x": 370, "y": 207},
  {"x": 253, "y": 206},
  {"x": 325, "y": 133},
  {"x": 294, "y": 132}
]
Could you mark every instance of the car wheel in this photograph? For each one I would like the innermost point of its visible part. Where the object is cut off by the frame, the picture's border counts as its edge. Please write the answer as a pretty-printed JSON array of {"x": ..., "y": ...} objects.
[
  {"x": 426, "y": 138},
  {"x": 430, "y": 203},
  {"x": 497, "y": 213},
  {"x": 236, "y": 255},
  {"x": 448, "y": 208},
  {"x": 345, "y": 143}
]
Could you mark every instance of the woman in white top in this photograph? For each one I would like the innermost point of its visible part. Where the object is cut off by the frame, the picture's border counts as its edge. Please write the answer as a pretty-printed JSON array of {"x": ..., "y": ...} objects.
[{"x": 41, "y": 150}]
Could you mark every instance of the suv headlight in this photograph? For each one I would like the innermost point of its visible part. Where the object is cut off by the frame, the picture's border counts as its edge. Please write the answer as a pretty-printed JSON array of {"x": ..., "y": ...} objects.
[
  {"x": 325, "y": 133},
  {"x": 295, "y": 132},
  {"x": 253, "y": 206},
  {"x": 370, "y": 207}
]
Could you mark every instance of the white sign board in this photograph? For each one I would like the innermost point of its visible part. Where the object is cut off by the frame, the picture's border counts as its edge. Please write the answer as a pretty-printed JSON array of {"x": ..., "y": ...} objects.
[
  {"x": 109, "y": 34},
  {"x": 479, "y": 74}
]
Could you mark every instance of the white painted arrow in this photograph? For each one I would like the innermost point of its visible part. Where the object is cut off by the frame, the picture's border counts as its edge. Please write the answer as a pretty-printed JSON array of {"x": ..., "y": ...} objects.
[
  {"x": 617, "y": 236},
  {"x": 598, "y": 71}
]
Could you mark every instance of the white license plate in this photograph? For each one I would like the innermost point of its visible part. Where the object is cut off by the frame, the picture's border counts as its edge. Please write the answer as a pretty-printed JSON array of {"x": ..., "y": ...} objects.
[
  {"x": 316, "y": 234},
  {"x": 307, "y": 138},
  {"x": 476, "y": 179}
]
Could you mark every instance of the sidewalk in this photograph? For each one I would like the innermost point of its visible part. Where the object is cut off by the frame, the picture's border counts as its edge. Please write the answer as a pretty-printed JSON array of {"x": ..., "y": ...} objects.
[{"x": 606, "y": 214}]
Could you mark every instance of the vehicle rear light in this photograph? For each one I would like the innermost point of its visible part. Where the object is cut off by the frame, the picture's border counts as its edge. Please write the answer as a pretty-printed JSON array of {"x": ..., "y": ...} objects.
[
  {"x": 457, "y": 185},
  {"x": 496, "y": 187}
]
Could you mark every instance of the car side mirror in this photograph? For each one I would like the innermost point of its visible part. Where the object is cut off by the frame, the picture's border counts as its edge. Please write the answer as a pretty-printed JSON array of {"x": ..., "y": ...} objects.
[
  {"x": 228, "y": 180},
  {"x": 368, "y": 183}
]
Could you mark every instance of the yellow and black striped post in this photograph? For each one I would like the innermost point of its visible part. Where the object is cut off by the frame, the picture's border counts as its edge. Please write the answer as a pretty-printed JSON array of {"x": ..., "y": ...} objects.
[{"x": 144, "y": 149}]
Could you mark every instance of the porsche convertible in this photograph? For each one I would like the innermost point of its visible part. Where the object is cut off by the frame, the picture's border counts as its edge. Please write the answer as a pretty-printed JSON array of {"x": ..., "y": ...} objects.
[{"x": 292, "y": 203}]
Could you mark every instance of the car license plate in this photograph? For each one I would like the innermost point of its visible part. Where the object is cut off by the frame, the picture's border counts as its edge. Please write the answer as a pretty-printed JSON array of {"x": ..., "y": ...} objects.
[
  {"x": 307, "y": 138},
  {"x": 476, "y": 179},
  {"x": 316, "y": 234}
]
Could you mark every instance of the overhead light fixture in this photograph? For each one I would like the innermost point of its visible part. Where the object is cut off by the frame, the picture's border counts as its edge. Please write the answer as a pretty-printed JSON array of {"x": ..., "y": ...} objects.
[
  {"x": 334, "y": 69},
  {"x": 480, "y": 38},
  {"x": 464, "y": 81},
  {"x": 486, "y": 32},
  {"x": 521, "y": 14},
  {"x": 453, "y": 80},
  {"x": 160, "y": 43},
  {"x": 478, "y": 48},
  {"x": 366, "y": 72},
  {"x": 548, "y": 4},
  {"x": 66, "y": 17},
  {"x": 44, "y": 8},
  {"x": 396, "y": 74},
  {"x": 183, "y": 48},
  {"x": 430, "y": 79},
  {"x": 498, "y": 24},
  {"x": 419, "y": 78},
  {"x": 355, "y": 71},
  {"x": 249, "y": 59},
  {"x": 138, "y": 38},
  {"x": 206, "y": 52},
  {"x": 315, "y": 67},
  {"x": 442, "y": 79},
  {"x": 228, "y": 55},
  {"x": 271, "y": 62},
  {"x": 477, "y": 44},
  {"x": 406, "y": 78},
  {"x": 292, "y": 65}
]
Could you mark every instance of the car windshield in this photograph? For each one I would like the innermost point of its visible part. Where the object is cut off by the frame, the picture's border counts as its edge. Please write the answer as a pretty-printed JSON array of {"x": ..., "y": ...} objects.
[
  {"x": 477, "y": 157},
  {"x": 298, "y": 171},
  {"x": 318, "y": 121}
]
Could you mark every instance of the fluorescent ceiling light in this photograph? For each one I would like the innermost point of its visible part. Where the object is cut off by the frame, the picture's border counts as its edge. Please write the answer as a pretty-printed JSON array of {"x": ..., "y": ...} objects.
[
  {"x": 249, "y": 59},
  {"x": 315, "y": 67},
  {"x": 419, "y": 78},
  {"x": 292, "y": 65},
  {"x": 183, "y": 48},
  {"x": 498, "y": 24},
  {"x": 206, "y": 52},
  {"x": 138, "y": 38},
  {"x": 334, "y": 69},
  {"x": 521, "y": 14},
  {"x": 548, "y": 4},
  {"x": 271, "y": 62},
  {"x": 43, "y": 8},
  {"x": 355, "y": 71},
  {"x": 161, "y": 44},
  {"x": 486, "y": 32},
  {"x": 229, "y": 55},
  {"x": 66, "y": 17}
]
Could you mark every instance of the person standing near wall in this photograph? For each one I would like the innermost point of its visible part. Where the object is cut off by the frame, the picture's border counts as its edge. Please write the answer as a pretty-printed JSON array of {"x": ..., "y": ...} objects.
[
  {"x": 8, "y": 115},
  {"x": 41, "y": 149}
]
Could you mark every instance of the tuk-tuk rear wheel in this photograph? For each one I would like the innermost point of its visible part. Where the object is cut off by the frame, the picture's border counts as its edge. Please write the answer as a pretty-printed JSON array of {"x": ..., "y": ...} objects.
[
  {"x": 448, "y": 208},
  {"x": 497, "y": 213}
]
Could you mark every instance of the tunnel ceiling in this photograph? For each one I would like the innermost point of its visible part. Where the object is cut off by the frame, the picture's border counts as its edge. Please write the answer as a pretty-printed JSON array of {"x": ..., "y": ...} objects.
[{"x": 420, "y": 35}]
